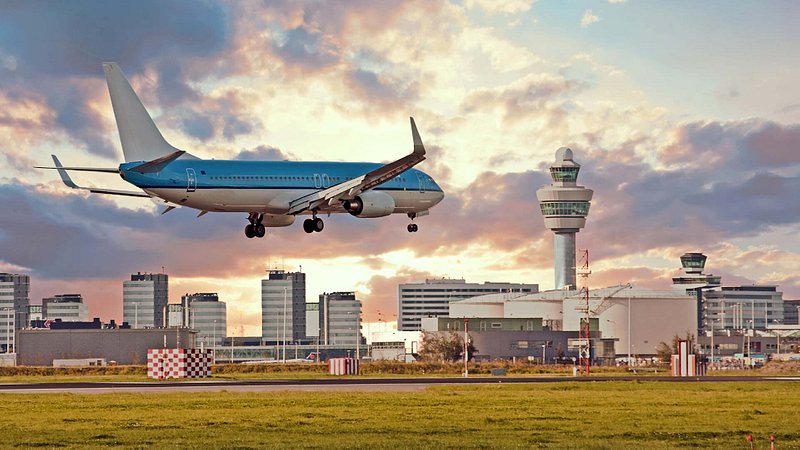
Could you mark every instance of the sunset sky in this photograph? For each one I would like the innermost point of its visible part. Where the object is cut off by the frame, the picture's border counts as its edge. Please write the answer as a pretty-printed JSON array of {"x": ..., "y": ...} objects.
[{"x": 684, "y": 115}]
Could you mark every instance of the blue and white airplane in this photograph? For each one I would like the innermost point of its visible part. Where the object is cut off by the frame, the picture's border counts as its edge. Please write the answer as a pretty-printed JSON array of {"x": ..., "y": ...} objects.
[{"x": 273, "y": 193}]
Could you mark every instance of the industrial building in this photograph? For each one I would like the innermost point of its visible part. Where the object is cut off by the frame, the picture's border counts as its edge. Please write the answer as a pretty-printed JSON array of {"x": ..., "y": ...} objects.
[
  {"x": 283, "y": 307},
  {"x": 144, "y": 300},
  {"x": 432, "y": 298},
  {"x": 122, "y": 345},
  {"x": 207, "y": 315},
  {"x": 635, "y": 319},
  {"x": 340, "y": 319},
  {"x": 65, "y": 307},
  {"x": 564, "y": 206},
  {"x": 14, "y": 301}
]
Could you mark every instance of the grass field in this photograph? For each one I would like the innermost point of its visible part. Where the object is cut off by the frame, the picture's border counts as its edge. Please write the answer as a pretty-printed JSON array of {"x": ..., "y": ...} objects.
[{"x": 601, "y": 415}]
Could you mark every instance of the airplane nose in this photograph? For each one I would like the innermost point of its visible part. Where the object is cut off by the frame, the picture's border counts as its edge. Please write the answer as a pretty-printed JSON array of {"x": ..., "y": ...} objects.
[{"x": 438, "y": 197}]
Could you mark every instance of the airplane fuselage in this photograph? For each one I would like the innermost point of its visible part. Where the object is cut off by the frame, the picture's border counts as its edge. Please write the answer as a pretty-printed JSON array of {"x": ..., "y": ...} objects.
[{"x": 269, "y": 186}]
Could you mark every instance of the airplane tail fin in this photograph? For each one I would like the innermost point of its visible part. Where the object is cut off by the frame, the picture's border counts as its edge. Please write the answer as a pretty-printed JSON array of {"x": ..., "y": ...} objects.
[{"x": 141, "y": 140}]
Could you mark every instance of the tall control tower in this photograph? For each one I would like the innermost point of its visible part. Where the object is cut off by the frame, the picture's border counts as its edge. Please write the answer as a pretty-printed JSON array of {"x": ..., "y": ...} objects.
[{"x": 565, "y": 206}]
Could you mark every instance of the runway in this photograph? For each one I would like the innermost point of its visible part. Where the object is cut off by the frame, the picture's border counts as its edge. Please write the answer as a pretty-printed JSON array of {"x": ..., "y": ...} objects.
[{"x": 341, "y": 384}]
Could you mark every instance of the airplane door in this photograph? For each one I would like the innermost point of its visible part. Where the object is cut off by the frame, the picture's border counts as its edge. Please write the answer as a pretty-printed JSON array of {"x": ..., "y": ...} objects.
[
  {"x": 191, "y": 180},
  {"x": 422, "y": 182},
  {"x": 317, "y": 181}
]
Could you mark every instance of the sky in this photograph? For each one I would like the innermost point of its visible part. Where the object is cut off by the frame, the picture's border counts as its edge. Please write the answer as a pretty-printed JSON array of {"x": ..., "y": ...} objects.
[{"x": 684, "y": 115}]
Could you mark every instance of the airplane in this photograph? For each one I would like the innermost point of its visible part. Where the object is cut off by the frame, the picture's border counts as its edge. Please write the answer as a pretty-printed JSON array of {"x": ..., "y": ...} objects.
[
  {"x": 272, "y": 193},
  {"x": 311, "y": 358}
]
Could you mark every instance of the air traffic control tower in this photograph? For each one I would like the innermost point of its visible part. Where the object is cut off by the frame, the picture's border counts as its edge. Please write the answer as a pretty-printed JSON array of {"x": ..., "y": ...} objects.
[{"x": 564, "y": 206}]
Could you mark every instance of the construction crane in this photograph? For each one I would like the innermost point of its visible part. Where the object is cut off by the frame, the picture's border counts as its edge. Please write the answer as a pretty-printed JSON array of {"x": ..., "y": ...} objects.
[{"x": 605, "y": 303}]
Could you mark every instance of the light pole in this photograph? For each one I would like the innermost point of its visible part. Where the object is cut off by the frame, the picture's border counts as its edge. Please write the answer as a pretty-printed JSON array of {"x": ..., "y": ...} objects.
[
  {"x": 630, "y": 363},
  {"x": 284, "y": 324},
  {"x": 10, "y": 325},
  {"x": 358, "y": 334},
  {"x": 214, "y": 342},
  {"x": 466, "y": 348}
]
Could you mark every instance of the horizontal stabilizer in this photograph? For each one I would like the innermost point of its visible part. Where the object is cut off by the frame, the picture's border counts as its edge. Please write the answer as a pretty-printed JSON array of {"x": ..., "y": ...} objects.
[
  {"x": 83, "y": 169},
  {"x": 62, "y": 172}
]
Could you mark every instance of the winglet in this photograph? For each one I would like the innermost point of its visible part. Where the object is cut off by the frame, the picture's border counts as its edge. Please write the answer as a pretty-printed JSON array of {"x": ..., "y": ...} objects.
[
  {"x": 63, "y": 173},
  {"x": 419, "y": 149}
]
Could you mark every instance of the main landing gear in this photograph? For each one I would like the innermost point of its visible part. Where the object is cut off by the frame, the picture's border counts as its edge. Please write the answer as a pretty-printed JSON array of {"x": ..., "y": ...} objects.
[
  {"x": 412, "y": 227},
  {"x": 255, "y": 228},
  {"x": 313, "y": 224}
]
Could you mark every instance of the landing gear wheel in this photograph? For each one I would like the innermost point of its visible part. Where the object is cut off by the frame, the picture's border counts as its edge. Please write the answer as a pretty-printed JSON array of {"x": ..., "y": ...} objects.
[
  {"x": 308, "y": 225},
  {"x": 416, "y": 227},
  {"x": 412, "y": 228},
  {"x": 249, "y": 231},
  {"x": 319, "y": 225},
  {"x": 260, "y": 230}
]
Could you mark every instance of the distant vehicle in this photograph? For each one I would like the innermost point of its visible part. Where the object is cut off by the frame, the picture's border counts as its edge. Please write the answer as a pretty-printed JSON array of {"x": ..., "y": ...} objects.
[{"x": 272, "y": 193}]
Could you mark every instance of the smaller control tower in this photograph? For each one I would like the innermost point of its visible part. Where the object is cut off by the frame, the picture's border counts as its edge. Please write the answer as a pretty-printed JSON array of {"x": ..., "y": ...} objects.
[{"x": 564, "y": 206}]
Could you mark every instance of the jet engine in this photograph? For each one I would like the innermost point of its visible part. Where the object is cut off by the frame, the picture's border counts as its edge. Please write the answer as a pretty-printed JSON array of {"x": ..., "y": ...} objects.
[{"x": 370, "y": 204}]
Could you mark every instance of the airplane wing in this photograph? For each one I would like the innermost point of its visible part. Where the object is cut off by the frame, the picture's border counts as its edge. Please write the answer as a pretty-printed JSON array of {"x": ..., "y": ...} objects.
[
  {"x": 350, "y": 188},
  {"x": 62, "y": 172}
]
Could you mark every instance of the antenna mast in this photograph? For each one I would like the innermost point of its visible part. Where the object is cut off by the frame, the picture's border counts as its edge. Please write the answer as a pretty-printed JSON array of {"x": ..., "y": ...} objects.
[{"x": 584, "y": 360}]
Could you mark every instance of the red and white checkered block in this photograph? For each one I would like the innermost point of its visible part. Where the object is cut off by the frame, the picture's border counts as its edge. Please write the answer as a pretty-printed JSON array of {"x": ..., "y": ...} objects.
[
  {"x": 165, "y": 363},
  {"x": 343, "y": 366}
]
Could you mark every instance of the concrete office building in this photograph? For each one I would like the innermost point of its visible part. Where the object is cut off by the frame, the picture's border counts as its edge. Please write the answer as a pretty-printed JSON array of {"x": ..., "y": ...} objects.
[
  {"x": 14, "y": 302},
  {"x": 312, "y": 321},
  {"x": 208, "y": 316},
  {"x": 637, "y": 319},
  {"x": 727, "y": 307},
  {"x": 65, "y": 307},
  {"x": 340, "y": 319},
  {"x": 791, "y": 312},
  {"x": 144, "y": 300},
  {"x": 283, "y": 307},
  {"x": 432, "y": 298},
  {"x": 752, "y": 307},
  {"x": 176, "y": 315},
  {"x": 564, "y": 206}
]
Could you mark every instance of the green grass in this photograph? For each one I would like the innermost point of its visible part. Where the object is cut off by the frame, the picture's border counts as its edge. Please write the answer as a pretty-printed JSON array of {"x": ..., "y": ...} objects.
[{"x": 601, "y": 415}]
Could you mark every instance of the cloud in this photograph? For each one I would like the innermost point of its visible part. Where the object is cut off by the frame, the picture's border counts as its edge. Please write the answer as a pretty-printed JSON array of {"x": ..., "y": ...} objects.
[
  {"x": 535, "y": 94},
  {"x": 264, "y": 153},
  {"x": 588, "y": 18},
  {"x": 56, "y": 50},
  {"x": 736, "y": 145},
  {"x": 500, "y": 6}
]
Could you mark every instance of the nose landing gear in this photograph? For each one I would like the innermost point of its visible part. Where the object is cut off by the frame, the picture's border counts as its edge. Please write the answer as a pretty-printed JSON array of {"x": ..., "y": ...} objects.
[{"x": 412, "y": 227}]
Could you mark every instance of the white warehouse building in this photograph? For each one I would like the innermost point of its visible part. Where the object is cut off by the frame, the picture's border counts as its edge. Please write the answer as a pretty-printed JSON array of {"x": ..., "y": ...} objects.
[{"x": 637, "y": 318}]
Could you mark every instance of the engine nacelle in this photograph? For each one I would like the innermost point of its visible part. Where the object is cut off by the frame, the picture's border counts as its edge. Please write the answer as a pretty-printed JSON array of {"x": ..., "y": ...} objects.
[
  {"x": 370, "y": 204},
  {"x": 277, "y": 220}
]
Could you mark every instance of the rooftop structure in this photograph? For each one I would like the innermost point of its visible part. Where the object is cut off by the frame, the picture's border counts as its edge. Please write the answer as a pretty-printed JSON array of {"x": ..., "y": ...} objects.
[
  {"x": 432, "y": 298},
  {"x": 564, "y": 206}
]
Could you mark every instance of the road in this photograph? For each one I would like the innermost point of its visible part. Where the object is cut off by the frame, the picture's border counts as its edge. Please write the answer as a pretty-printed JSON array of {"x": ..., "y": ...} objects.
[{"x": 340, "y": 384}]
